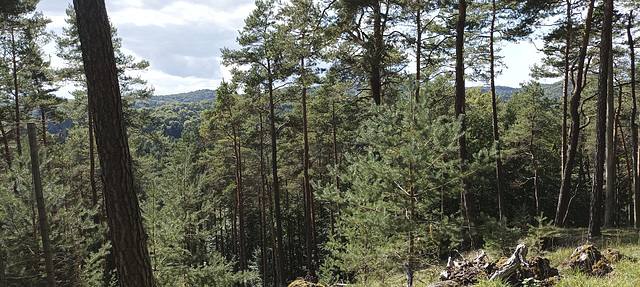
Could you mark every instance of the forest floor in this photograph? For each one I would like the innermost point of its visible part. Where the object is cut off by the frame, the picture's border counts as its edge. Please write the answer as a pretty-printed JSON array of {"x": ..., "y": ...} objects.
[{"x": 557, "y": 245}]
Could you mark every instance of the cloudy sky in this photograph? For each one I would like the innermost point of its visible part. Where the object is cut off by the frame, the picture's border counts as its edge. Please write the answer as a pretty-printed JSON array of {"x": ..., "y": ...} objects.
[{"x": 182, "y": 40}]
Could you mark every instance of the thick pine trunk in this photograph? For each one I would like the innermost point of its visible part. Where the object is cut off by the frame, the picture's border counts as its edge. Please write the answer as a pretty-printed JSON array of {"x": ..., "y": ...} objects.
[
  {"x": 574, "y": 132},
  {"x": 601, "y": 126},
  {"x": 123, "y": 212},
  {"x": 468, "y": 200}
]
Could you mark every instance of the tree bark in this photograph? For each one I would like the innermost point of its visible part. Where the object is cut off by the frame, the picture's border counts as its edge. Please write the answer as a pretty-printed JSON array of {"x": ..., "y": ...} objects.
[
  {"x": 418, "y": 49},
  {"x": 565, "y": 86},
  {"x": 16, "y": 91},
  {"x": 494, "y": 113},
  {"x": 309, "y": 216},
  {"x": 634, "y": 216},
  {"x": 376, "y": 60},
  {"x": 468, "y": 200},
  {"x": 123, "y": 212},
  {"x": 574, "y": 132},
  {"x": 276, "y": 185},
  {"x": 601, "y": 126},
  {"x": 45, "y": 228},
  {"x": 609, "y": 210},
  {"x": 5, "y": 141},
  {"x": 92, "y": 161}
]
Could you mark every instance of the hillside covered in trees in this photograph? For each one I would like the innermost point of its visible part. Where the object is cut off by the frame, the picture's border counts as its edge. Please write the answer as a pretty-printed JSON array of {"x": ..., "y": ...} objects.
[{"x": 345, "y": 146}]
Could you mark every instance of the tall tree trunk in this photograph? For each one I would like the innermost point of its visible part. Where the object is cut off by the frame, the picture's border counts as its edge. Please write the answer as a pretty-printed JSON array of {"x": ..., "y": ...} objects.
[
  {"x": 276, "y": 185},
  {"x": 309, "y": 215},
  {"x": 263, "y": 207},
  {"x": 242, "y": 250},
  {"x": 335, "y": 164},
  {"x": 494, "y": 113},
  {"x": 43, "y": 122},
  {"x": 565, "y": 86},
  {"x": 534, "y": 160},
  {"x": 376, "y": 62},
  {"x": 16, "y": 90},
  {"x": 123, "y": 211},
  {"x": 634, "y": 216},
  {"x": 468, "y": 200},
  {"x": 418, "y": 49},
  {"x": 45, "y": 228},
  {"x": 574, "y": 132},
  {"x": 5, "y": 141},
  {"x": 601, "y": 126},
  {"x": 3, "y": 274},
  {"x": 610, "y": 203}
]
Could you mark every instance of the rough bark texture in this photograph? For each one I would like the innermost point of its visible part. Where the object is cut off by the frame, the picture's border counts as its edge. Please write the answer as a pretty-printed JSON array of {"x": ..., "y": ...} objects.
[
  {"x": 45, "y": 228},
  {"x": 611, "y": 192},
  {"x": 123, "y": 212},
  {"x": 634, "y": 216},
  {"x": 376, "y": 60},
  {"x": 468, "y": 200},
  {"x": 574, "y": 133},
  {"x": 601, "y": 126}
]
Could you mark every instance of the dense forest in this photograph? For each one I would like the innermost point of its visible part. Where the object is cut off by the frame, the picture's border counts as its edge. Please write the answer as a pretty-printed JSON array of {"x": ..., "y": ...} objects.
[{"x": 345, "y": 146}]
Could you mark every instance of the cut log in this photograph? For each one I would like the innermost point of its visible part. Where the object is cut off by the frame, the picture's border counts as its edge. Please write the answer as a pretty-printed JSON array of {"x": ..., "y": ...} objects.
[{"x": 509, "y": 268}]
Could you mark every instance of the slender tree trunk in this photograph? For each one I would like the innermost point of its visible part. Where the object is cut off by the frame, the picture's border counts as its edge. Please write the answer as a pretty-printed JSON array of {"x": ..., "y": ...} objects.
[
  {"x": 16, "y": 90},
  {"x": 565, "y": 86},
  {"x": 3, "y": 274},
  {"x": 418, "y": 49},
  {"x": 574, "y": 132},
  {"x": 610, "y": 203},
  {"x": 634, "y": 216},
  {"x": 5, "y": 141},
  {"x": 309, "y": 216},
  {"x": 335, "y": 164},
  {"x": 468, "y": 200},
  {"x": 45, "y": 228},
  {"x": 240, "y": 198},
  {"x": 276, "y": 186},
  {"x": 601, "y": 126},
  {"x": 494, "y": 112},
  {"x": 123, "y": 212},
  {"x": 263, "y": 208},
  {"x": 534, "y": 160},
  {"x": 92, "y": 161},
  {"x": 43, "y": 122}
]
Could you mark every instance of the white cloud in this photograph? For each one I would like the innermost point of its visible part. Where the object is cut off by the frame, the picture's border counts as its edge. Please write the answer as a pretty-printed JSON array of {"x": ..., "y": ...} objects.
[{"x": 182, "y": 13}]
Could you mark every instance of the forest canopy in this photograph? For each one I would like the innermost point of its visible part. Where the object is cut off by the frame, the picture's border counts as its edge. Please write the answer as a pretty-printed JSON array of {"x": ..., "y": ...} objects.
[{"x": 345, "y": 145}]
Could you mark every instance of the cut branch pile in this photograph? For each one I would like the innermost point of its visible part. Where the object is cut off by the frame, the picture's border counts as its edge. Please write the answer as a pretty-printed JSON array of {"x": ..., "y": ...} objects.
[{"x": 514, "y": 270}]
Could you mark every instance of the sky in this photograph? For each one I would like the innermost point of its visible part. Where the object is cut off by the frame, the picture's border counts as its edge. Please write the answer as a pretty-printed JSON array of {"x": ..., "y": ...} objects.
[{"x": 182, "y": 40}]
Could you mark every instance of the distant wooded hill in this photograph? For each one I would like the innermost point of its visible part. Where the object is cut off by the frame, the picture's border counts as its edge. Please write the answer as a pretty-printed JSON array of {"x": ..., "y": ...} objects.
[
  {"x": 553, "y": 91},
  {"x": 189, "y": 97},
  {"x": 177, "y": 111}
]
